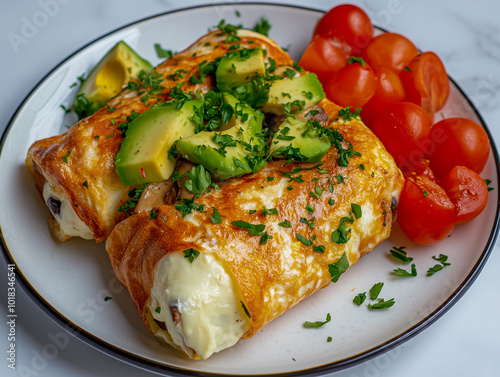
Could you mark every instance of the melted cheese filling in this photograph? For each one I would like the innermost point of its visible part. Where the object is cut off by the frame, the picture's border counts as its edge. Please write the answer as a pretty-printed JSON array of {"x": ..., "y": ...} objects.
[
  {"x": 69, "y": 222},
  {"x": 198, "y": 303}
]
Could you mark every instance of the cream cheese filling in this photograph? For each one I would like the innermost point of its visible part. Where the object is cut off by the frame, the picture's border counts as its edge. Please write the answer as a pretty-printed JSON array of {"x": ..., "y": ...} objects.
[
  {"x": 198, "y": 302},
  {"x": 69, "y": 222}
]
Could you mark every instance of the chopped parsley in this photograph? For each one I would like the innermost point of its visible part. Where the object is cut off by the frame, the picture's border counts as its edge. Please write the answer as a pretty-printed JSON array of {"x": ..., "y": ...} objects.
[
  {"x": 381, "y": 304},
  {"x": 404, "y": 273},
  {"x": 338, "y": 268},
  {"x": 304, "y": 240},
  {"x": 356, "y": 210},
  {"x": 270, "y": 211},
  {"x": 65, "y": 158},
  {"x": 134, "y": 196},
  {"x": 191, "y": 254},
  {"x": 162, "y": 53},
  {"x": 198, "y": 180},
  {"x": 375, "y": 290},
  {"x": 186, "y": 206},
  {"x": 216, "y": 219},
  {"x": 153, "y": 214},
  {"x": 245, "y": 309},
  {"x": 285, "y": 224},
  {"x": 253, "y": 229},
  {"x": 438, "y": 267},
  {"x": 400, "y": 254},
  {"x": 316, "y": 324},
  {"x": 360, "y": 298},
  {"x": 262, "y": 27},
  {"x": 341, "y": 235}
]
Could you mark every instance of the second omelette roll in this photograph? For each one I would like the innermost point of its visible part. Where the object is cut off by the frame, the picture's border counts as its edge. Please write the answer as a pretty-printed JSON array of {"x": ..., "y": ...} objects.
[{"x": 257, "y": 245}]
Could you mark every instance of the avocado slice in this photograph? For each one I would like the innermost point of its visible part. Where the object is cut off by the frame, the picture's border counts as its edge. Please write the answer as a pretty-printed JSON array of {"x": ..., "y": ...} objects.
[
  {"x": 237, "y": 68},
  {"x": 235, "y": 149},
  {"x": 143, "y": 155},
  {"x": 299, "y": 141},
  {"x": 299, "y": 93},
  {"x": 120, "y": 65}
]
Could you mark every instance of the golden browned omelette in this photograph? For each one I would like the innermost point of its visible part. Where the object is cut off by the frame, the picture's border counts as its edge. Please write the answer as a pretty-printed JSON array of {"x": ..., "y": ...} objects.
[
  {"x": 311, "y": 214},
  {"x": 75, "y": 171}
]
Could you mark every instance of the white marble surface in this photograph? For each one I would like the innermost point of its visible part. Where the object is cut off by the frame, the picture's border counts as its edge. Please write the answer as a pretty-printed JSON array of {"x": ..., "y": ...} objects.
[{"x": 466, "y": 35}]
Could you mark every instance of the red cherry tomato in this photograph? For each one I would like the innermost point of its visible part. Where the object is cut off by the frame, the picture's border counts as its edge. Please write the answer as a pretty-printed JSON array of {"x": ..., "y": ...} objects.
[
  {"x": 425, "y": 213},
  {"x": 352, "y": 85},
  {"x": 404, "y": 128},
  {"x": 467, "y": 190},
  {"x": 389, "y": 90},
  {"x": 324, "y": 57},
  {"x": 349, "y": 24},
  {"x": 421, "y": 167},
  {"x": 458, "y": 141},
  {"x": 426, "y": 82},
  {"x": 390, "y": 50}
]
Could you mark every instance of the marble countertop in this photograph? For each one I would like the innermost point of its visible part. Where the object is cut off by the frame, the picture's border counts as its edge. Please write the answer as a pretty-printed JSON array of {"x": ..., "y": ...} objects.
[{"x": 465, "y": 341}]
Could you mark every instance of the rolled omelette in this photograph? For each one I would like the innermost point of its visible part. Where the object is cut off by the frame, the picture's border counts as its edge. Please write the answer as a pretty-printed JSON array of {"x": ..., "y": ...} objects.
[
  {"x": 75, "y": 171},
  {"x": 201, "y": 284}
]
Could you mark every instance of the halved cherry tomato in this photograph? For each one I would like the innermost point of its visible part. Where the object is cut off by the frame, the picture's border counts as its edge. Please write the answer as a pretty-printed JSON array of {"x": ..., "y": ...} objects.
[
  {"x": 421, "y": 167},
  {"x": 324, "y": 57},
  {"x": 352, "y": 85},
  {"x": 349, "y": 24},
  {"x": 390, "y": 50},
  {"x": 426, "y": 82},
  {"x": 389, "y": 90},
  {"x": 467, "y": 190},
  {"x": 458, "y": 141},
  {"x": 404, "y": 128},
  {"x": 425, "y": 213}
]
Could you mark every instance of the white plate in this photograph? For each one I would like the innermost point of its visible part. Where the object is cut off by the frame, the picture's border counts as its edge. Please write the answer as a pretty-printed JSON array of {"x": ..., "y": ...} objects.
[{"x": 70, "y": 281}]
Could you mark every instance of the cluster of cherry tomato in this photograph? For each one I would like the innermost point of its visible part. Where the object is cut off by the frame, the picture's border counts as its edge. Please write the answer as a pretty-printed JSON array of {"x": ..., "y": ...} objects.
[{"x": 399, "y": 91}]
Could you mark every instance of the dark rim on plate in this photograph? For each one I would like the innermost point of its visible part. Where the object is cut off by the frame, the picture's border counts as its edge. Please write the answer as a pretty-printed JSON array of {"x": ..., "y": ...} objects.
[{"x": 140, "y": 362}]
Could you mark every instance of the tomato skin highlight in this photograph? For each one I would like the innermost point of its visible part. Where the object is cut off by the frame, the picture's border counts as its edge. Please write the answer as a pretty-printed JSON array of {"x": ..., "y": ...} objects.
[
  {"x": 349, "y": 24},
  {"x": 324, "y": 57},
  {"x": 425, "y": 213},
  {"x": 404, "y": 128},
  {"x": 426, "y": 82},
  {"x": 458, "y": 141},
  {"x": 389, "y": 90},
  {"x": 467, "y": 190},
  {"x": 352, "y": 86},
  {"x": 390, "y": 50}
]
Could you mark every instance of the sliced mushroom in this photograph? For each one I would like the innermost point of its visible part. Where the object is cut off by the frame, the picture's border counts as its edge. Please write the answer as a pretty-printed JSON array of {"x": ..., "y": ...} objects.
[
  {"x": 314, "y": 113},
  {"x": 154, "y": 195}
]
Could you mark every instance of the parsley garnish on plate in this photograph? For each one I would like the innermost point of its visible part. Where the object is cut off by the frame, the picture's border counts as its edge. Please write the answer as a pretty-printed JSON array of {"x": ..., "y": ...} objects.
[
  {"x": 316, "y": 324},
  {"x": 400, "y": 254},
  {"x": 381, "y": 304},
  {"x": 360, "y": 298},
  {"x": 438, "y": 267},
  {"x": 162, "y": 53},
  {"x": 262, "y": 26}
]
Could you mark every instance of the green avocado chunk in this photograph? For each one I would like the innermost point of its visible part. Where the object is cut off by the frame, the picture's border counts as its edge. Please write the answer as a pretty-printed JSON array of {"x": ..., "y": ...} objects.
[
  {"x": 298, "y": 93},
  {"x": 242, "y": 73},
  {"x": 233, "y": 150},
  {"x": 143, "y": 155},
  {"x": 239, "y": 67},
  {"x": 120, "y": 65},
  {"x": 299, "y": 141}
]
